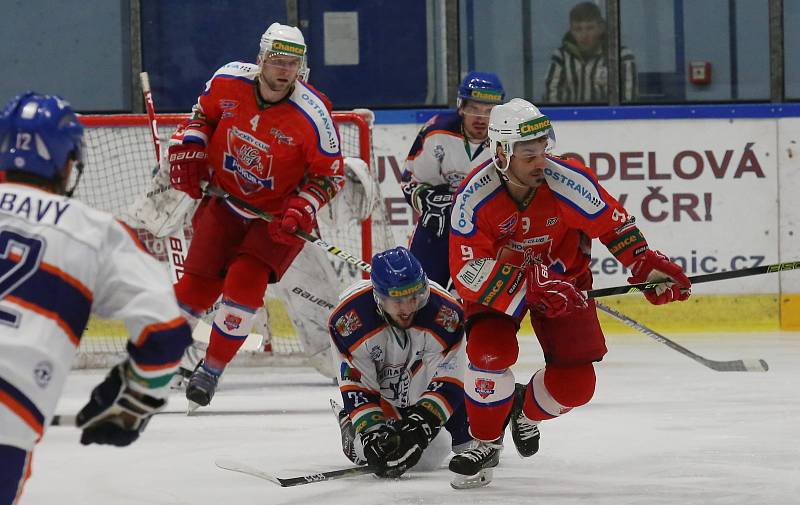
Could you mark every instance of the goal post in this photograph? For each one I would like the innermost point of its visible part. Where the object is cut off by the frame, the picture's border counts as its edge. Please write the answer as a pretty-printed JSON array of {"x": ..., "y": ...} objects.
[{"x": 119, "y": 172}]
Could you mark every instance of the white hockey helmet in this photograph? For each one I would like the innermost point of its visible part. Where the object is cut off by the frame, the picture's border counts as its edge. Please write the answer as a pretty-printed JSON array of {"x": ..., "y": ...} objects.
[
  {"x": 287, "y": 41},
  {"x": 515, "y": 121}
]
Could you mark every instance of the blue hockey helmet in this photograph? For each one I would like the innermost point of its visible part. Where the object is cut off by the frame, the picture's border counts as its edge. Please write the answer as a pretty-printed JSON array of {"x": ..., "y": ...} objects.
[
  {"x": 484, "y": 87},
  {"x": 38, "y": 134},
  {"x": 397, "y": 276}
]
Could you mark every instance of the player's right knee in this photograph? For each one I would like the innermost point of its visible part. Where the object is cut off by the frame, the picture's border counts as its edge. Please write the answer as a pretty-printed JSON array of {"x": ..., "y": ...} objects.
[
  {"x": 196, "y": 292},
  {"x": 492, "y": 342}
]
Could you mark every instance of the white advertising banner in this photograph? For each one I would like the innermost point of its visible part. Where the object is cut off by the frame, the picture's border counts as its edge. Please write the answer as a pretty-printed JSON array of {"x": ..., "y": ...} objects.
[{"x": 703, "y": 191}]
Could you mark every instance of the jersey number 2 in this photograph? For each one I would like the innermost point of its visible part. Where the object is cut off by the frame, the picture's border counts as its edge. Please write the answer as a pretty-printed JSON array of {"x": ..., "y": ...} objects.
[{"x": 20, "y": 257}]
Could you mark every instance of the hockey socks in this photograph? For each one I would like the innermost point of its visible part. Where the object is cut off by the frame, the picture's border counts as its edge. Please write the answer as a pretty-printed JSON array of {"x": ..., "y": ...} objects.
[
  {"x": 232, "y": 324},
  {"x": 489, "y": 396}
]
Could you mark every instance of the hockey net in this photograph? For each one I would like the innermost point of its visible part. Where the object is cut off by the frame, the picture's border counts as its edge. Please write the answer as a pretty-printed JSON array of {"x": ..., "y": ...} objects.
[{"x": 120, "y": 168}]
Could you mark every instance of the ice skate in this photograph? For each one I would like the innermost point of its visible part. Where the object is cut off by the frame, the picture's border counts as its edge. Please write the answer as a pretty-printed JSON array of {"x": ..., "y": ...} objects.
[
  {"x": 524, "y": 431},
  {"x": 202, "y": 385},
  {"x": 475, "y": 465}
]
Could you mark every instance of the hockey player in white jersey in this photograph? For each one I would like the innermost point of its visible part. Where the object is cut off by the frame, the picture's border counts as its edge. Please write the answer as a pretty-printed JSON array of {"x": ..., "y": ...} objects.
[
  {"x": 61, "y": 260},
  {"x": 399, "y": 340},
  {"x": 446, "y": 149}
]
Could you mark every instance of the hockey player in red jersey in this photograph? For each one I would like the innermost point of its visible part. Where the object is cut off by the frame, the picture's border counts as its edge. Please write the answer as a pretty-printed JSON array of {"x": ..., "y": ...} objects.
[
  {"x": 262, "y": 134},
  {"x": 521, "y": 230},
  {"x": 61, "y": 261}
]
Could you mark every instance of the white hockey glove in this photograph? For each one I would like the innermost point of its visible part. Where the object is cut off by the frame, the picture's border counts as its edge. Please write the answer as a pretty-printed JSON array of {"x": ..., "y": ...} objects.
[
  {"x": 115, "y": 414},
  {"x": 433, "y": 203}
]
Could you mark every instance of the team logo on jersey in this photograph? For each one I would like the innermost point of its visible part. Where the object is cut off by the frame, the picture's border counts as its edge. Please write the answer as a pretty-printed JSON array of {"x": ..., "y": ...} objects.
[
  {"x": 438, "y": 153},
  {"x": 484, "y": 387},
  {"x": 447, "y": 318},
  {"x": 227, "y": 107},
  {"x": 232, "y": 322},
  {"x": 248, "y": 159},
  {"x": 281, "y": 137},
  {"x": 348, "y": 323},
  {"x": 509, "y": 224},
  {"x": 42, "y": 373}
]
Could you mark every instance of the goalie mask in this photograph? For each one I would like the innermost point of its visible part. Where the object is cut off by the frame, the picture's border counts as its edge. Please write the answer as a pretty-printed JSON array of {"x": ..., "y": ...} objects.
[
  {"x": 281, "y": 44},
  {"x": 39, "y": 134},
  {"x": 400, "y": 286},
  {"x": 515, "y": 121}
]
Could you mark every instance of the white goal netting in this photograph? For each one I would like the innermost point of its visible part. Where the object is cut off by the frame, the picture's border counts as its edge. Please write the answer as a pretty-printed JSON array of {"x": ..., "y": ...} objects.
[{"x": 120, "y": 166}]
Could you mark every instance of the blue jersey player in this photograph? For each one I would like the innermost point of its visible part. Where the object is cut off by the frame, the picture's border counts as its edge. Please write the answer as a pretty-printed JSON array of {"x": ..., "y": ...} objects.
[{"x": 447, "y": 148}]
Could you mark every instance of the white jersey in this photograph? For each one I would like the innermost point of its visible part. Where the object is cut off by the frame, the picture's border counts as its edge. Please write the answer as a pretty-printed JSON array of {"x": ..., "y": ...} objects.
[
  {"x": 441, "y": 154},
  {"x": 383, "y": 369},
  {"x": 61, "y": 260}
]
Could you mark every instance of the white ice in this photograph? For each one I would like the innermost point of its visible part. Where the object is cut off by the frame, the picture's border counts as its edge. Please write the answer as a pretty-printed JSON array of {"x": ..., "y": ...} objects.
[{"x": 662, "y": 429}]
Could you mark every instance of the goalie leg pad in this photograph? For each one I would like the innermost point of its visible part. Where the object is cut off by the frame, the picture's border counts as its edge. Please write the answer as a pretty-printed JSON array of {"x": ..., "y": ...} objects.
[
  {"x": 489, "y": 398},
  {"x": 554, "y": 391},
  {"x": 231, "y": 326},
  {"x": 15, "y": 469}
]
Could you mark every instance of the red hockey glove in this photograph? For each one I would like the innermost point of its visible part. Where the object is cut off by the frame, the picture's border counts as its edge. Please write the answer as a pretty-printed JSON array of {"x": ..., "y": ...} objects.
[
  {"x": 552, "y": 294},
  {"x": 298, "y": 214},
  {"x": 653, "y": 266},
  {"x": 188, "y": 168}
]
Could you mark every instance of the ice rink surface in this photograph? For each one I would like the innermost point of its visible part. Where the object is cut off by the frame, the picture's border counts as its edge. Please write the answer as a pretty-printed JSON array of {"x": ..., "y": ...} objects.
[{"x": 662, "y": 429}]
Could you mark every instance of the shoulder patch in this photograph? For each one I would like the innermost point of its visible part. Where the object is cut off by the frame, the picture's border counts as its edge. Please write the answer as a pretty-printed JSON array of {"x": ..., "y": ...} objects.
[
  {"x": 313, "y": 107},
  {"x": 472, "y": 195},
  {"x": 354, "y": 319},
  {"x": 573, "y": 187}
]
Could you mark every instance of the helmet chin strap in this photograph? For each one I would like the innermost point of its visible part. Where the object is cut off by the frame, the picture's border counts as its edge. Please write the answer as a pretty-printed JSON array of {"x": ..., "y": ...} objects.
[{"x": 503, "y": 171}]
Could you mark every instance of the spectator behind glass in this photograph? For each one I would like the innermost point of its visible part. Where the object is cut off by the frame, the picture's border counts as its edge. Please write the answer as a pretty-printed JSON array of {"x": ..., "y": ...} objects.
[{"x": 579, "y": 68}]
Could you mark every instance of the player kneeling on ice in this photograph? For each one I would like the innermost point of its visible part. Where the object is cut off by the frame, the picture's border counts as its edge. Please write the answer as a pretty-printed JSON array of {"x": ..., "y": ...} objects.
[
  {"x": 64, "y": 260},
  {"x": 400, "y": 343},
  {"x": 519, "y": 242}
]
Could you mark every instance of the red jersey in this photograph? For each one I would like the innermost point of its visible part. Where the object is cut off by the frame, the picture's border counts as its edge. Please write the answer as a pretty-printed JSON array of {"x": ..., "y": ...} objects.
[
  {"x": 260, "y": 152},
  {"x": 493, "y": 238}
]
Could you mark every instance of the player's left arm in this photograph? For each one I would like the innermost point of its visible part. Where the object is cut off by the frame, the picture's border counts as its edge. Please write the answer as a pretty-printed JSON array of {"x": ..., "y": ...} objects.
[
  {"x": 134, "y": 287},
  {"x": 618, "y": 231}
]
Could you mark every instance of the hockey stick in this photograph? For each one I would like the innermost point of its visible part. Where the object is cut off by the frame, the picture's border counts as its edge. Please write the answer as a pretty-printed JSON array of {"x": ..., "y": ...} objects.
[
  {"x": 343, "y": 473},
  {"x": 716, "y": 276},
  {"x": 174, "y": 243},
  {"x": 332, "y": 249},
  {"x": 739, "y": 365}
]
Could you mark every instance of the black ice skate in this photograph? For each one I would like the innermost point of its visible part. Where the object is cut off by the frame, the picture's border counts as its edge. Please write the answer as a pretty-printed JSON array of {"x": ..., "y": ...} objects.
[
  {"x": 524, "y": 431},
  {"x": 348, "y": 433},
  {"x": 474, "y": 466},
  {"x": 202, "y": 385}
]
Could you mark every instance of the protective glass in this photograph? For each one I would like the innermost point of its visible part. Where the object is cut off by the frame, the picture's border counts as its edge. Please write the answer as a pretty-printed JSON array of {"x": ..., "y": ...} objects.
[{"x": 283, "y": 61}]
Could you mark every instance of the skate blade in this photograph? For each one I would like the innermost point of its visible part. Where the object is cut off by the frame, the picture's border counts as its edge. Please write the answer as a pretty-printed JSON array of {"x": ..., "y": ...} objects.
[
  {"x": 192, "y": 407},
  {"x": 480, "y": 479}
]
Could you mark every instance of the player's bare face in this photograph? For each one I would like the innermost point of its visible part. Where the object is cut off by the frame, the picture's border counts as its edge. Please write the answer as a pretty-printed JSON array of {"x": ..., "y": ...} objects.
[
  {"x": 278, "y": 73},
  {"x": 402, "y": 310},
  {"x": 588, "y": 35},
  {"x": 528, "y": 163},
  {"x": 476, "y": 119}
]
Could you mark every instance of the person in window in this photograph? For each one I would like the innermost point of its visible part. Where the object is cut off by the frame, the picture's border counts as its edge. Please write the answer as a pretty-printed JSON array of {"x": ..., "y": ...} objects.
[{"x": 579, "y": 68}]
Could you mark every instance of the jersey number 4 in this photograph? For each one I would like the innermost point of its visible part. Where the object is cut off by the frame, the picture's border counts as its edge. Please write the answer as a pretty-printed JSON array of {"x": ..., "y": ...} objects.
[{"x": 20, "y": 256}]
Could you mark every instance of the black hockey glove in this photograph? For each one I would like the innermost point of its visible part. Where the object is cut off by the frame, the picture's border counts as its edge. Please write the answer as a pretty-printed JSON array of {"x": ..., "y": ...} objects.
[
  {"x": 416, "y": 429},
  {"x": 433, "y": 203},
  {"x": 115, "y": 414},
  {"x": 378, "y": 445}
]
